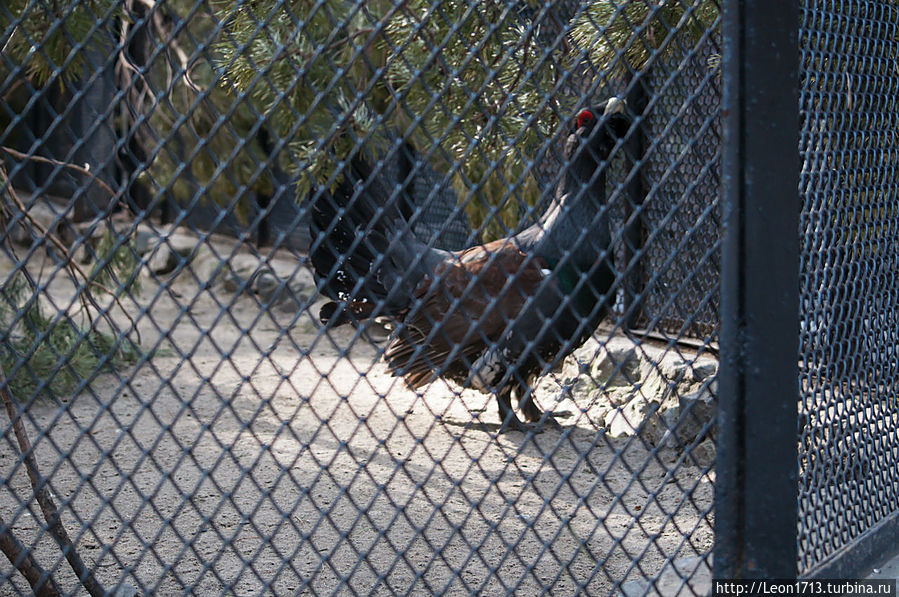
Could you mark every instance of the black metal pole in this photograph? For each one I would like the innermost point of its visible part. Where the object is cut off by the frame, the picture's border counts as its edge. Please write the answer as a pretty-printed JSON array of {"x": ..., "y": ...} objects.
[
  {"x": 756, "y": 488},
  {"x": 633, "y": 217}
]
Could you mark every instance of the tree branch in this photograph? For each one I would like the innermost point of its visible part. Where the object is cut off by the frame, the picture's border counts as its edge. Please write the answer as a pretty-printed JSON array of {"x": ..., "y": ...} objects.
[
  {"x": 18, "y": 555},
  {"x": 73, "y": 267},
  {"x": 43, "y": 497},
  {"x": 42, "y": 159}
]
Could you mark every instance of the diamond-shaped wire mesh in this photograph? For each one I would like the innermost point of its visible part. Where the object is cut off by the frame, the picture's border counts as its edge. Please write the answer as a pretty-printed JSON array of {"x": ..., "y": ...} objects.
[
  {"x": 849, "y": 118},
  {"x": 286, "y": 287}
]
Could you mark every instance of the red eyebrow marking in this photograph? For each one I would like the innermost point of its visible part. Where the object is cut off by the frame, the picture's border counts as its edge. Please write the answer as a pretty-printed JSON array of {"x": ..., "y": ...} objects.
[{"x": 585, "y": 118}]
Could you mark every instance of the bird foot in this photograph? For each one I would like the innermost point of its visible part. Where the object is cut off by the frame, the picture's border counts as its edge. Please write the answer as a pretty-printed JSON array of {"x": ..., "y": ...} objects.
[
  {"x": 547, "y": 421},
  {"x": 544, "y": 422},
  {"x": 513, "y": 423},
  {"x": 534, "y": 415}
]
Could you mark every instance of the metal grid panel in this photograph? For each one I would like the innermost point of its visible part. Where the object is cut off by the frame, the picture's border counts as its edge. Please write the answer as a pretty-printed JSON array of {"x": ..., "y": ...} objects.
[
  {"x": 197, "y": 426},
  {"x": 850, "y": 115},
  {"x": 681, "y": 223}
]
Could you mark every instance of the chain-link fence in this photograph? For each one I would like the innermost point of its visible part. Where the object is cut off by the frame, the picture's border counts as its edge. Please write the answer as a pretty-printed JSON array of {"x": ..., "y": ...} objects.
[
  {"x": 405, "y": 297},
  {"x": 252, "y": 350}
]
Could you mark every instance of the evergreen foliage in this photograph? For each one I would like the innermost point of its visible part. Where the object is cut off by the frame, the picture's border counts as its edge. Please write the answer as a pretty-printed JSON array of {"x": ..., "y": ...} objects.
[
  {"x": 476, "y": 88},
  {"x": 622, "y": 37},
  {"x": 46, "y": 37},
  {"x": 44, "y": 353}
]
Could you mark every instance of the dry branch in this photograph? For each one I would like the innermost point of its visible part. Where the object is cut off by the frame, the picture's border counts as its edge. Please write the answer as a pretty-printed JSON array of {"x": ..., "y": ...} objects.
[
  {"x": 48, "y": 507},
  {"x": 70, "y": 166},
  {"x": 85, "y": 297},
  {"x": 18, "y": 555}
]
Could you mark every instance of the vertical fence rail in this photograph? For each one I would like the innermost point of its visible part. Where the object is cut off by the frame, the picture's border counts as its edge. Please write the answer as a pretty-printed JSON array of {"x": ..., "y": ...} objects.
[{"x": 756, "y": 488}]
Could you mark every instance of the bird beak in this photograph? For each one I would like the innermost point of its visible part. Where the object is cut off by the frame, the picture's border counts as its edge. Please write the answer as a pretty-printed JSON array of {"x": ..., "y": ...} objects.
[{"x": 615, "y": 105}]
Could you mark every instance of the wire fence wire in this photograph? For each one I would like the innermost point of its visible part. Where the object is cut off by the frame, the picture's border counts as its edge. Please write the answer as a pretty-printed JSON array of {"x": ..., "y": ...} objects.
[
  {"x": 196, "y": 195},
  {"x": 848, "y": 284}
]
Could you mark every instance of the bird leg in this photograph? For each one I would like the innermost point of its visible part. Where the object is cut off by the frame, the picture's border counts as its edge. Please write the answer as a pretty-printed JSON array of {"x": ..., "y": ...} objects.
[
  {"x": 532, "y": 413},
  {"x": 529, "y": 408},
  {"x": 506, "y": 414}
]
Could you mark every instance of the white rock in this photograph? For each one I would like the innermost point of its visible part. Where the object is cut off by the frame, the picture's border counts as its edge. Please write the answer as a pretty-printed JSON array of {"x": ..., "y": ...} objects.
[
  {"x": 616, "y": 366},
  {"x": 696, "y": 412},
  {"x": 673, "y": 368},
  {"x": 617, "y": 425},
  {"x": 238, "y": 270},
  {"x": 705, "y": 453},
  {"x": 634, "y": 417},
  {"x": 145, "y": 239},
  {"x": 182, "y": 243},
  {"x": 268, "y": 287},
  {"x": 24, "y": 233},
  {"x": 162, "y": 261},
  {"x": 704, "y": 369}
]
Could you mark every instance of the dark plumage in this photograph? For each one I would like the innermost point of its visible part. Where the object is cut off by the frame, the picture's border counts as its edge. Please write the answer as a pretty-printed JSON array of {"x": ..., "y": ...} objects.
[{"x": 492, "y": 316}]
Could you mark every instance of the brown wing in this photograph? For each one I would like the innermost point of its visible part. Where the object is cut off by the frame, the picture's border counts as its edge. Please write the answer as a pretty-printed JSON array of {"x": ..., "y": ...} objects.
[{"x": 461, "y": 309}]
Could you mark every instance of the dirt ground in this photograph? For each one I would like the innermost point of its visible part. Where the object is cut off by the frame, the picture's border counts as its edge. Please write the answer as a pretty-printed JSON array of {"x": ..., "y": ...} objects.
[{"x": 251, "y": 454}]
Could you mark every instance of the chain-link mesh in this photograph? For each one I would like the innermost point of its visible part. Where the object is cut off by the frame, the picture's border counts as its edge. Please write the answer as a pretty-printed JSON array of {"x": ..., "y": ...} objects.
[
  {"x": 287, "y": 287},
  {"x": 848, "y": 360}
]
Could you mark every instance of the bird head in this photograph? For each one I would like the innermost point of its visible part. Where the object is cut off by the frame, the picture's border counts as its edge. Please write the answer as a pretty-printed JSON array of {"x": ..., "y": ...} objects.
[{"x": 598, "y": 128}]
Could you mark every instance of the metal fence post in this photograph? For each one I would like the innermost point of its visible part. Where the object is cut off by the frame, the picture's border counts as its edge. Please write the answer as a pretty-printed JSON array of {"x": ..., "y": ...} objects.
[
  {"x": 633, "y": 217},
  {"x": 756, "y": 489}
]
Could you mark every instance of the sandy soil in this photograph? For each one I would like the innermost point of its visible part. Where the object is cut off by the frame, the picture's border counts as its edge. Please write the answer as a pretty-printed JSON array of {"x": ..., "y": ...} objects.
[{"x": 252, "y": 454}]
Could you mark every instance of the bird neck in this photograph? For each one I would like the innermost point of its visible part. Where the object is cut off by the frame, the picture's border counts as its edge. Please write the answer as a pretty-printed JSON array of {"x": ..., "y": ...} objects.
[
  {"x": 580, "y": 173},
  {"x": 575, "y": 223},
  {"x": 580, "y": 195}
]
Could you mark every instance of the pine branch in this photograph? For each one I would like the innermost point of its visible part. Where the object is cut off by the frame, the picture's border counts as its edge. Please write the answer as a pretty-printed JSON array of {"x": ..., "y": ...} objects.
[{"x": 86, "y": 297}]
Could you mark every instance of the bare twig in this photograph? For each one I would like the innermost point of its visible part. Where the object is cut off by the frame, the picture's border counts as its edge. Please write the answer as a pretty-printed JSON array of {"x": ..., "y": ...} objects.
[
  {"x": 42, "y": 159},
  {"x": 86, "y": 296},
  {"x": 18, "y": 555},
  {"x": 43, "y": 231},
  {"x": 44, "y": 499},
  {"x": 126, "y": 70},
  {"x": 172, "y": 46}
]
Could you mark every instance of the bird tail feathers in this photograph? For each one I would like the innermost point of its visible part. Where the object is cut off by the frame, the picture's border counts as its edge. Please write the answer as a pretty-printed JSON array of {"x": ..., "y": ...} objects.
[{"x": 361, "y": 247}]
